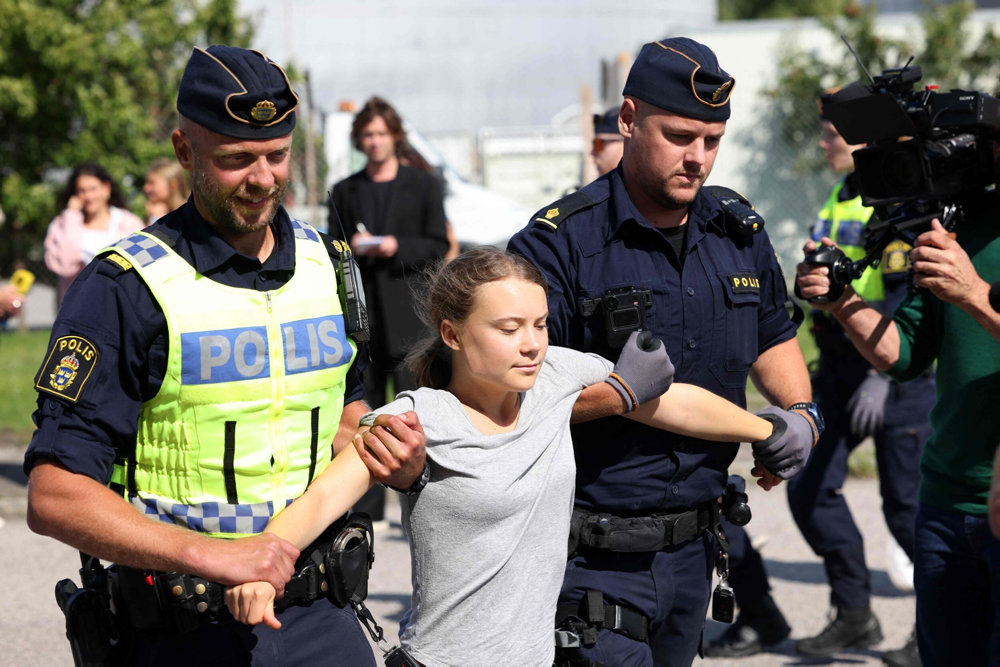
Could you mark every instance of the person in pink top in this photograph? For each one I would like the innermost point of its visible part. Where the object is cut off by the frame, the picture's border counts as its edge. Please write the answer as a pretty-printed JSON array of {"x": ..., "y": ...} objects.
[{"x": 93, "y": 217}]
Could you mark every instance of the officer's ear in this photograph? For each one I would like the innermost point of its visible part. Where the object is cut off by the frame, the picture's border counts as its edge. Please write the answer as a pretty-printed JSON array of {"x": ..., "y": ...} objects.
[
  {"x": 183, "y": 149},
  {"x": 450, "y": 335},
  {"x": 627, "y": 117}
]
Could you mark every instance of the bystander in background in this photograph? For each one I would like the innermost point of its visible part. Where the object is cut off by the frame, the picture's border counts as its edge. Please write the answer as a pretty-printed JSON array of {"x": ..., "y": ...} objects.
[
  {"x": 393, "y": 216},
  {"x": 166, "y": 187},
  {"x": 92, "y": 217}
]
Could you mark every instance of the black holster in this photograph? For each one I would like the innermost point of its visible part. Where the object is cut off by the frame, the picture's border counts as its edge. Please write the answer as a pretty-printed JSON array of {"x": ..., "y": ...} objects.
[{"x": 93, "y": 636}]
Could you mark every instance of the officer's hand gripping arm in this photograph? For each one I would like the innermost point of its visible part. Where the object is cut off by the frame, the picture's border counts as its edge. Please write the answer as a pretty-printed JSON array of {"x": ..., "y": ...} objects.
[
  {"x": 643, "y": 371},
  {"x": 394, "y": 449},
  {"x": 785, "y": 452}
]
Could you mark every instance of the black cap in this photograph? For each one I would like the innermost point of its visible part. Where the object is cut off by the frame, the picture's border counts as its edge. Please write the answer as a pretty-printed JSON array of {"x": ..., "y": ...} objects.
[
  {"x": 683, "y": 76},
  {"x": 237, "y": 93},
  {"x": 607, "y": 122}
]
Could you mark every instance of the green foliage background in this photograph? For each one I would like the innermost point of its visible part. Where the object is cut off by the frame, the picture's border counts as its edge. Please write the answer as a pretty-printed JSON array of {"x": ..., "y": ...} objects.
[{"x": 90, "y": 80}]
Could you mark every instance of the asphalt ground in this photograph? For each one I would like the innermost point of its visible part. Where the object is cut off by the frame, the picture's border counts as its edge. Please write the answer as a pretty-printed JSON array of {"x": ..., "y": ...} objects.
[{"x": 31, "y": 627}]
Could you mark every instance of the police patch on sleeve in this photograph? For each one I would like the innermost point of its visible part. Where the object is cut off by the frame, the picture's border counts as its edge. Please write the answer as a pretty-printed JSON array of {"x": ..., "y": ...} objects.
[
  {"x": 744, "y": 283},
  {"x": 69, "y": 365},
  {"x": 896, "y": 257}
]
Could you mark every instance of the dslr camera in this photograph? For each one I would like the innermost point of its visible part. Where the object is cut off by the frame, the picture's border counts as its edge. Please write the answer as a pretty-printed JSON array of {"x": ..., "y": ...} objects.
[{"x": 927, "y": 153}]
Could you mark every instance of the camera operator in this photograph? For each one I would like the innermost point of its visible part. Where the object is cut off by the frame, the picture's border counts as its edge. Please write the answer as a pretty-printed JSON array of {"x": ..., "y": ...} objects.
[
  {"x": 949, "y": 321},
  {"x": 857, "y": 401}
]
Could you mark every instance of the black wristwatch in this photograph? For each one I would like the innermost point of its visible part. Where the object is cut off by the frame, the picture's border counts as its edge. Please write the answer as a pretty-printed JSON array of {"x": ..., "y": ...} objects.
[
  {"x": 418, "y": 485},
  {"x": 813, "y": 411}
]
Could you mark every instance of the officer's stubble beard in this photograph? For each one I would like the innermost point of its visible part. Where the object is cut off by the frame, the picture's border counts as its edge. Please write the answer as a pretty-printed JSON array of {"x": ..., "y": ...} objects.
[{"x": 220, "y": 207}]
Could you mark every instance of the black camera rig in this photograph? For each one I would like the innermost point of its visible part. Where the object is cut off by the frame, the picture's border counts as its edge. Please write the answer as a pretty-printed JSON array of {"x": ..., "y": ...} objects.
[{"x": 927, "y": 154}]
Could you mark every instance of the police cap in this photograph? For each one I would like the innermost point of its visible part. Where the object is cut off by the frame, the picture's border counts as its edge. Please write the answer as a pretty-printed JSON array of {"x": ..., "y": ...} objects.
[
  {"x": 607, "y": 122},
  {"x": 683, "y": 76},
  {"x": 237, "y": 93}
]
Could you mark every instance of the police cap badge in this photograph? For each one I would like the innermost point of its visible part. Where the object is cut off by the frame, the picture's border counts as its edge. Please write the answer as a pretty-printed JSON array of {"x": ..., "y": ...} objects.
[
  {"x": 237, "y": 93},
  {"x": 683, "y": 76}
]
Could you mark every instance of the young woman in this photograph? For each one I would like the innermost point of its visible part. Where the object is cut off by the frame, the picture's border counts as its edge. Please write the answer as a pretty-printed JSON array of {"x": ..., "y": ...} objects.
[
  {"x": 93, "y": 217},
  {"x": 488, "y": 534}
]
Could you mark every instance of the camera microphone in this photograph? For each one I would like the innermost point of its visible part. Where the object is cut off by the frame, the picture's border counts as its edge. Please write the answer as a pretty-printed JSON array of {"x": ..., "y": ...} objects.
[{"x": 995, "y": 296}]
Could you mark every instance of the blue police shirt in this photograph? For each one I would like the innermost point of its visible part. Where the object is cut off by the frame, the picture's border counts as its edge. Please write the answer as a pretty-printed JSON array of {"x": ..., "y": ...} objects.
[
  {"x": 716, "y": 312},
  {"x": 114, "y": 311}
]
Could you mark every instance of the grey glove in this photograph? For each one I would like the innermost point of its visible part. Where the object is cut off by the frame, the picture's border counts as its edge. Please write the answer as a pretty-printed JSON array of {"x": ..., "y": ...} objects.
[
  {"x": 867, "y": 405},
  {"x": 643, "y": 371},
  {"x": 786, "y": 451}
]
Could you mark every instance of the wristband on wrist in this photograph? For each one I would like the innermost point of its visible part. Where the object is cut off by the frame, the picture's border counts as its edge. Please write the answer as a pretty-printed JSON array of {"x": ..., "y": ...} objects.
[
  {"x": 812, "y": 411},
  {"x": 616, "y": 381}
]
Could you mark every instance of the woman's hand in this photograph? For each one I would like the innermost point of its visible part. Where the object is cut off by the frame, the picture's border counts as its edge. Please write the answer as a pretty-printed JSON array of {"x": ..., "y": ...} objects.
[
  {"x": 252, "y": 603},
  {"x": 765, "y": 479}
]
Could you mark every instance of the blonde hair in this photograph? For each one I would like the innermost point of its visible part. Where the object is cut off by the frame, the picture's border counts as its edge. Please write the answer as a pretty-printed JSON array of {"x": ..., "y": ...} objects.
[
  {"x": 450, "y": 294},
  {"x": 176, "y": 177}
]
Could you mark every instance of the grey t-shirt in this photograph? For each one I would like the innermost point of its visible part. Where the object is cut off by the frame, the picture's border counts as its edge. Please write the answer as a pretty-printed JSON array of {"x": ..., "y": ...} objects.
[{"x": 488, "y": 534}]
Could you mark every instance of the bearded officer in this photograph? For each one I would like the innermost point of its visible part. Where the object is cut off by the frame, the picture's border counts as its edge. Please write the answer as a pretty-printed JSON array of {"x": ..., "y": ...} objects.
[{"x": 195, "y": 380}]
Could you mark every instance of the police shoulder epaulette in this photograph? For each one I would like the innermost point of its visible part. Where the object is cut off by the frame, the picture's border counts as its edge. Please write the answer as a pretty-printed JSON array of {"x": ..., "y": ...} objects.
[
  {"x": 112, "y": 264},
  {"x": 740, "y": 217},
  {"x": 562, "y": 209}
]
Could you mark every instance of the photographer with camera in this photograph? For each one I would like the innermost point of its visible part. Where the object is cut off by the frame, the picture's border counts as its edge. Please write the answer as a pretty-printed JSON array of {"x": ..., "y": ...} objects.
[
  {"x": 946, "y": 142},
  {"x": 857, "y": 401},
  {"x": 950, "y": 322}
]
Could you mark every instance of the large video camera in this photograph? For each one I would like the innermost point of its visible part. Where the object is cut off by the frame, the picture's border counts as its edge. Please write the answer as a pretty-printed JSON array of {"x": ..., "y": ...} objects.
[{"x": 927, "y": 153}]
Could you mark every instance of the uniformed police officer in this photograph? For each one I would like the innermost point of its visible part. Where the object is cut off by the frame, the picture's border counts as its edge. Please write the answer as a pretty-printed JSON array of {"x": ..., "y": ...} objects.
[
  {"x": 646, "y": 246},
  {"x": 607, "y": 147},
  {"x": 202, "y": 368}
]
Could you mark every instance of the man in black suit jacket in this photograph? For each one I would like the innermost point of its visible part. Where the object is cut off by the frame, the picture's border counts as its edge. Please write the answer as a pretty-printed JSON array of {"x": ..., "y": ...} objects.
[{"x": 394, "y": 218}]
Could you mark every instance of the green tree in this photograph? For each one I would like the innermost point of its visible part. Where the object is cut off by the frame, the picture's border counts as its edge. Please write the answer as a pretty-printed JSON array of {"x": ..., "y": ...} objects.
[
  {"x": 733, "y": 10},
  {"x": 90, "y": 80}
]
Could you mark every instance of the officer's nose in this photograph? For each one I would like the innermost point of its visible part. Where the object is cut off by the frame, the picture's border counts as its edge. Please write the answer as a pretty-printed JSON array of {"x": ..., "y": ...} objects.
[
  {"x": 696, "y": 151},
  {"x": 261, "y": 175}
]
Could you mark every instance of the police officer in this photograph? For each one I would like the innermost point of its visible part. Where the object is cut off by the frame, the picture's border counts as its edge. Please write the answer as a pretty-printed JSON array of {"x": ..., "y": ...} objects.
[
  {"x": 858, "y": 402},
  {"x": 607, "y": 147},
  {"x": 201, "y": 368},
  {"x": 646, "y": 246}
]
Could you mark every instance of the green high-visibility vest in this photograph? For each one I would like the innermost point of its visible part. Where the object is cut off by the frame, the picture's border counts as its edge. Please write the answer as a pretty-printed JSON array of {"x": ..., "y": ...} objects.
[{"x": 253, "y": 392}]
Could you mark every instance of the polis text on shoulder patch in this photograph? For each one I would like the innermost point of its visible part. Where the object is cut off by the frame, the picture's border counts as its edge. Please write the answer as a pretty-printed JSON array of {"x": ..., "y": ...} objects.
[
  {"x": 744, "y": 283},
  {"x": 69, "y": 365}
]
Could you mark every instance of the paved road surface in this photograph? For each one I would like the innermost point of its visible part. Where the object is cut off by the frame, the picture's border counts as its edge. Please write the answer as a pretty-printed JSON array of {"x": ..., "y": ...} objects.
[{"x": 32, "y": 631}]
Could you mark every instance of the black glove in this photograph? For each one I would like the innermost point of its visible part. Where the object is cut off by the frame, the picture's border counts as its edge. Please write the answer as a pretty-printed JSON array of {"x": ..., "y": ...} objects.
[
  {"x": 643, "y": 371},
  {"x": 867, "y": 405},
  {"x": 786, "y": 451}
]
